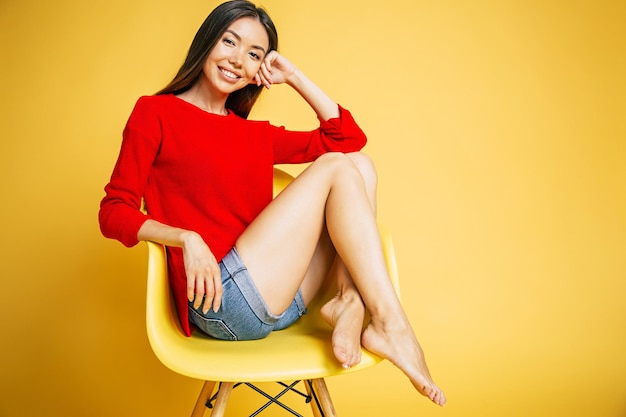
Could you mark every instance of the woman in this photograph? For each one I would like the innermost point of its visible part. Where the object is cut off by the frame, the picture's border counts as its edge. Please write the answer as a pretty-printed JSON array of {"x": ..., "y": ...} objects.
[{"x": 241, "y": 264}]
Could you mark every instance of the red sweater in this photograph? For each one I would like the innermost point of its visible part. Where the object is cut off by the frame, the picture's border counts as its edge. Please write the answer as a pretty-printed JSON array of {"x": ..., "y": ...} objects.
[{"x": 204, "y": 172}]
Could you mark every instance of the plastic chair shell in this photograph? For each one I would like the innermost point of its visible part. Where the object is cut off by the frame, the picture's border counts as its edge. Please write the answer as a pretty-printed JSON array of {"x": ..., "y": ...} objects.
[{"x": 302, "y": 351}]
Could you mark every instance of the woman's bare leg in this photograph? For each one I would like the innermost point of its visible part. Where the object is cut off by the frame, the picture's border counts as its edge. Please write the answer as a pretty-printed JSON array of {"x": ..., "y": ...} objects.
[
  {"x": 279, "y": 245},
  {"x": 345, "y": 312}
]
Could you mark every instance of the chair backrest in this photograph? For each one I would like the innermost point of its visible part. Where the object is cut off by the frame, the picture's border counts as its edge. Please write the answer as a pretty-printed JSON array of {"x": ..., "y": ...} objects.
[{"x": 281, "y": 180}]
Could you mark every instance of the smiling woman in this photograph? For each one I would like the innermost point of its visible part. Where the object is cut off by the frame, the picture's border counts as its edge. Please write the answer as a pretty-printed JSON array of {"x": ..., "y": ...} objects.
[
  {"x": 214, "y": 32},
  {"x": 233, "y": 63},
  {"x": 241, "y": 263}
]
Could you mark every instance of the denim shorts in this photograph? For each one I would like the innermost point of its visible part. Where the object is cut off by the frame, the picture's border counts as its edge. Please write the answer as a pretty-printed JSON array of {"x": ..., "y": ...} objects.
[{"x": 243, "y": 314}]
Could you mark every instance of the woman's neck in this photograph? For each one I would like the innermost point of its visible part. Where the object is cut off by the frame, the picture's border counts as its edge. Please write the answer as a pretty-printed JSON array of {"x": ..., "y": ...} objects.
[{"x": 201, "y": 97}]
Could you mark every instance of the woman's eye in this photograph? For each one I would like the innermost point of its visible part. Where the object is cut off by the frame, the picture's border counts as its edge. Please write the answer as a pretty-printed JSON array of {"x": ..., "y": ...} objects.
[
  {"x": 229, "y": 41},
  {"x": 255, "y": 55}
]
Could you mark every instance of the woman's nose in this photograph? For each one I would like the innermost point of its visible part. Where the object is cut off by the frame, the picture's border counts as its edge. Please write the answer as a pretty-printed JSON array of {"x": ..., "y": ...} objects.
[{"x": 236, "y": 56}]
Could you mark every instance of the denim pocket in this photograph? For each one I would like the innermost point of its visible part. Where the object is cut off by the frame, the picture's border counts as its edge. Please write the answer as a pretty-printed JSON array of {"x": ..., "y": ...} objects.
[{"x": 213, "y": 327}]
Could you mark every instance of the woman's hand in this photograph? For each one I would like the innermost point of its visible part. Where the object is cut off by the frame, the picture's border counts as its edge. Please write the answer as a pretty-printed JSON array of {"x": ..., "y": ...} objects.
[
  {"x": 275, "y": 69},
  {"x": 204, "y": 279},
  {"x": 203, "y": 273}
]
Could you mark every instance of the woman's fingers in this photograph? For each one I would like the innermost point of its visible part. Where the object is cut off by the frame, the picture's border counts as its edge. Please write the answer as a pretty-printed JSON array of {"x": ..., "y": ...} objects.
[
  {"x": 205, "y": 289},
  {"x": 265, "y": 74},
  {"x": 199, "y": 290},
  {"x": 208, "y": 296},
  {"x": 217, "y": 292},
  {"x": 256, "y": 80},
  {"x": 209, "y": 288},
  {"x": 274, "y": 69},
  {"x": 191, "y": 288}
]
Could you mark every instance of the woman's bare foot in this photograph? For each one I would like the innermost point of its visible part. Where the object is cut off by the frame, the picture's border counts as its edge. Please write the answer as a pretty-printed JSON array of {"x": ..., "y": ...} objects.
[
  {"x": 345, "y": 314},
  {"x": 399, "y": 345}
]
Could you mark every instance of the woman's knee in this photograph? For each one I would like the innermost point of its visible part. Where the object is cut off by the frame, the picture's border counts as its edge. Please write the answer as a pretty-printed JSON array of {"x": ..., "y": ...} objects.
[
  {"x": 366, "y": 167},
  {"x": 335, "y": 161},
  {"x": 355, "y": 165}
]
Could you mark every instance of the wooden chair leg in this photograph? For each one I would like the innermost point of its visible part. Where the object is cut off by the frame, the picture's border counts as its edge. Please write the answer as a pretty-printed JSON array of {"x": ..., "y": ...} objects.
[
  {"x": 205, "y": 394},
  {"x": 314, "y": 407},
  {"x": 319, "y": 386},
  {"x": 219, "y": 409}
]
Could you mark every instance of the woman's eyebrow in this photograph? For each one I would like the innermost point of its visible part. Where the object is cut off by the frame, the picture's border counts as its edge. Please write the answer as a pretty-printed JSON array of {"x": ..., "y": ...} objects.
[{"x": 236, "y": 35}]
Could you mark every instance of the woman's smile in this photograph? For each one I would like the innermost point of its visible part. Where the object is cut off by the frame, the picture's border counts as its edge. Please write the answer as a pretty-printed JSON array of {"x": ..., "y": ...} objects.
[{"x": 229, "y": 74}]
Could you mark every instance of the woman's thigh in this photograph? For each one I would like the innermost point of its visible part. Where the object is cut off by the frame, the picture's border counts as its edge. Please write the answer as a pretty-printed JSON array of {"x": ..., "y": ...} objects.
[{"x": 287, "y": 241}]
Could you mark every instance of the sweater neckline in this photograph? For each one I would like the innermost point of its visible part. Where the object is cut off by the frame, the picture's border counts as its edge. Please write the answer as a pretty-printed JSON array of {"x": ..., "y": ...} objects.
[{"x": 185, "y": 102}]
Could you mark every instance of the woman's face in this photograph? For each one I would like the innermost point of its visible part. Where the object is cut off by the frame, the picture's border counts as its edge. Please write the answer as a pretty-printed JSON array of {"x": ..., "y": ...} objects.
[{"x": 237, "y": 56}]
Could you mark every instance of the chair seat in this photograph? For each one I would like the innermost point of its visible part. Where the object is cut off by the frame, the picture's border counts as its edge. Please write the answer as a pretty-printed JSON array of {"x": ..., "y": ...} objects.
[{"x": 302, "y": 351}]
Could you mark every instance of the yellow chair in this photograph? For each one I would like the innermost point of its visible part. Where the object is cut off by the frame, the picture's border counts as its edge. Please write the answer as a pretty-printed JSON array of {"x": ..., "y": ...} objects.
[{"x": 301, "y": 352}]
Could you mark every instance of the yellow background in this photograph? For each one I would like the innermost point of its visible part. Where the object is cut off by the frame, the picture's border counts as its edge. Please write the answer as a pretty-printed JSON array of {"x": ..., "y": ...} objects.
[{"x": 498, "y": 129}]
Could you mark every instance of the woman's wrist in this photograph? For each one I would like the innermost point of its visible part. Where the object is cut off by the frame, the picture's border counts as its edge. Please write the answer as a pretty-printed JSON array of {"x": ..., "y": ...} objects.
[
  {"x": 295, "y": 79},
  {"x": 167, "y": 235},
  {"x": 187, "y": 238}
]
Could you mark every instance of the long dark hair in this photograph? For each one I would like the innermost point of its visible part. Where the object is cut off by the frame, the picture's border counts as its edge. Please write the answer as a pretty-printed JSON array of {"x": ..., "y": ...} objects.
[{"x": 240, "y": 101}]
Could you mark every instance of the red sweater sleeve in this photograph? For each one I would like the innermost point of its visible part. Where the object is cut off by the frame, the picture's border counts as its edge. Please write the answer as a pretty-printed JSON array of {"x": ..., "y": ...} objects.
[
  {"x": 340, "y": 134},
  {"x": 120, "y": 213}
]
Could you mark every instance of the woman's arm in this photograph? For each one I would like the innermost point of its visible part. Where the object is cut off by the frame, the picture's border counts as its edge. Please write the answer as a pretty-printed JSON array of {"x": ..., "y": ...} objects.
[
  {"x": 203, "y": 272},
  {"x": 338, "y": 131},
  {"x": 121, "y": 217},
  {"x": 276, "y": 69}
]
